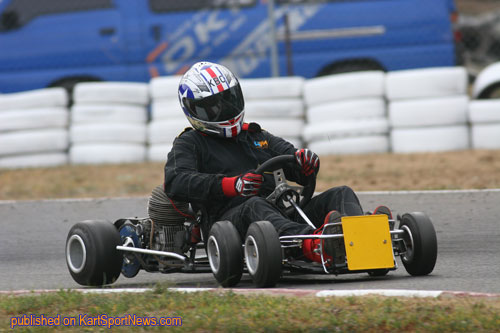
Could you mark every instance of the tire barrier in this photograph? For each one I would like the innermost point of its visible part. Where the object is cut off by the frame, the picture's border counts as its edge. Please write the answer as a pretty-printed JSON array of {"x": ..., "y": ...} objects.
[
  {"x": 366, "y": 108},
  {"x": 161, "y": 135},
  {"x": 426, "y": 83},
  {"x": 111, "y": 92},
  {"x": 430, "y": 139},
  {"x": 108, "y": 123},
  {"x": 429, "y": 112},
  {"x": 35, "y": 99},
  {"x": 352, "y": 113},
  {"x": 18, "y": 120},
  {"x": 356, "y": 145},
  {"x": 167, "y": 117},
  {"x": 33, "y": 128},
  {"x": 344, "y": 87},
  {"x": 33, "y": 142},
  {"x": 167, "y": 108},
  {"x": 164, "y": 87},
  {"x": 271, "y": 88},
  {"x": 346, "y": 114},
  {"x": 428, "y": 109},
  {"x": 108, "y": 133},
  {"x": 484, "y": 116},
  {"x": 158, "y": 152},
  {"x": 276, "y": 104},
  {"x": 108, "y": 113},
  {"x": 107, "y": 153}
]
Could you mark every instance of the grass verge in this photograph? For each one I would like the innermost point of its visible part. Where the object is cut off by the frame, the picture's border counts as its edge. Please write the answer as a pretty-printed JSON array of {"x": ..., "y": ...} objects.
[{"x": 202, "y": 312}]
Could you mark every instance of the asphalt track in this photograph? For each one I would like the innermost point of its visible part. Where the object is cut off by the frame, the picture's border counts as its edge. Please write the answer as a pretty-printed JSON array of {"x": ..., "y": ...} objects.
[{"x": 33, "y": 234}]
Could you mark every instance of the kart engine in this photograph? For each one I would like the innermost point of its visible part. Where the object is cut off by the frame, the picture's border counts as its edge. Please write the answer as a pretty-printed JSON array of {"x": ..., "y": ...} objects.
[{"x": 167, "y": 219}]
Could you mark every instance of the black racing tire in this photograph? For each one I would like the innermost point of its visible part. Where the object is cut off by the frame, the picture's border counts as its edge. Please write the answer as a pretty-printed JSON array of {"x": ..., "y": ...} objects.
[
  {"x": 263, "y": 254},
  {"x": 91, "y": 254},
  {"x": 225, "y": 253},
  {"x": 421, "y": 244}
]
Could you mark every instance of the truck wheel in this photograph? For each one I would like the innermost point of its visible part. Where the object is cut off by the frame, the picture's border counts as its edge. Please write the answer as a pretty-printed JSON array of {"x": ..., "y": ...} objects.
[
  {"x": 91, "y": 253},
  {"x": 263, "y": 255},
  {"x": 421, "y": 244},
  {"x": 225, "y": 253}
]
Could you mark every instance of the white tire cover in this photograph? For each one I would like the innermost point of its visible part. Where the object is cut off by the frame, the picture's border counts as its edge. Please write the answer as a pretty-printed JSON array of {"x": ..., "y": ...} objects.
[
  {"x": 275, "y": 108},
  {"x": 430, "y": 139},
  {"x": 108, "y": 113},
  {"x": 345, "y": 128},
  {"x": 33, "y": 141},
  {"x": 34, "y": 118},
  {"x": 429, "y": 112},
  {"x": 41, "y": 98},
  {"x": 108, "y": 133},
  {"x": 275, "y": 87},
  {"x": 352, "y": 145},
  {"x": 164, "y": 87},
  {"x": 167, "y": 108},
  {"x": 344, "y": 86},
  {"x": 111, "y": 92},
  {"x": 484, "y": 111},
  {"x": 165, "y": 131},
  {"x": 107, "y": 153},
  {"x": 34, "y": 160},
  {"x": 350, "y": 109},
  {"x": 486, "y": 136},
  {"x": 159, "y": 152},
  {"x": 280, "y": 127},
  {"x": 487, "y": 77},
  {"x": 427, "y": 82}
]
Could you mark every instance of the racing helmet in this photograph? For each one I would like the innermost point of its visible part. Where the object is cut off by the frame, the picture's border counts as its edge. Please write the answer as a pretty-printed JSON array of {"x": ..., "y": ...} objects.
[{"x": 211, "y": 98}]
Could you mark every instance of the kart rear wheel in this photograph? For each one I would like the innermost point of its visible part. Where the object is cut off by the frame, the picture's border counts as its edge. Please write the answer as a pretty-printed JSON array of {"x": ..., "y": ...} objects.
[
  {"x": 263, "y": 255},
  {"x": 421, "y": 244},
  {"x": 91, "y": 254},
  {"x": 225, "y": 253}
]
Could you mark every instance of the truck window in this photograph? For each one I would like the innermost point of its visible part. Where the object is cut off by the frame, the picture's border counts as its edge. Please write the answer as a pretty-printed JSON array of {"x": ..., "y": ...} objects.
[
  {"x": 20, "y": 12},
  {"x": 162, "y": 6}
]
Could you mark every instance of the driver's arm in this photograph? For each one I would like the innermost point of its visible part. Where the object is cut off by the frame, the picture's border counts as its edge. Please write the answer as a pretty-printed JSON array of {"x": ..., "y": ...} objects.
[
  {"x": 183, "y": 181},
  {"x": 279, "y": 146}
]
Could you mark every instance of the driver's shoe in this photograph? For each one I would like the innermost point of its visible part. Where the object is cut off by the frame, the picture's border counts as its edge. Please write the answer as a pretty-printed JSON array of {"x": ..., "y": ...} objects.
[{"x": 312, "y": 247}]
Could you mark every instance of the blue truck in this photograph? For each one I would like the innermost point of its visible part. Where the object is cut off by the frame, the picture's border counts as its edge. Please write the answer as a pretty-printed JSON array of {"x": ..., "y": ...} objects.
[{"x": 48, "y": 43}]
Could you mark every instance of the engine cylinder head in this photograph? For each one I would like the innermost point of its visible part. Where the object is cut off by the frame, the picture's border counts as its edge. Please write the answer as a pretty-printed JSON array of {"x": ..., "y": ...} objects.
[{"x": 165, "y": 211}]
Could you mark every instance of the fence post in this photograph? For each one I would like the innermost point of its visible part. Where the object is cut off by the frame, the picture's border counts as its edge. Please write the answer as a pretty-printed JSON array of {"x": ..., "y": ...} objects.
[{"x": 274, "y": 41}]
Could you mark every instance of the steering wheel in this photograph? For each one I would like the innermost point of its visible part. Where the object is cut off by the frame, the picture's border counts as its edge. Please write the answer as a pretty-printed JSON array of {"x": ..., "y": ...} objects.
[{"x": 283, "y": 189}]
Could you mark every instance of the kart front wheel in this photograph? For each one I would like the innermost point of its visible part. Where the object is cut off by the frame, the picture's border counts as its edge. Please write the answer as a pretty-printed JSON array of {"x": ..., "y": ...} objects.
[
  {"x": 91, "y": 254},
  {"x": 263, "y": 255},
  {"x": 225, "y": 253},
  {"x": 421, "y": 244}
]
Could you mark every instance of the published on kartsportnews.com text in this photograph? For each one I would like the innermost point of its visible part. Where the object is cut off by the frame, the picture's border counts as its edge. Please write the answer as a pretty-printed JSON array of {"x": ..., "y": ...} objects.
[{"x": 85, "y": 320}]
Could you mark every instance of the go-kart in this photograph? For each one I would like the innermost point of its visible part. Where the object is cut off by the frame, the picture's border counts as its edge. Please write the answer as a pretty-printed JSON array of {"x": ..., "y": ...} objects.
[{"x": 169, "y": 240}]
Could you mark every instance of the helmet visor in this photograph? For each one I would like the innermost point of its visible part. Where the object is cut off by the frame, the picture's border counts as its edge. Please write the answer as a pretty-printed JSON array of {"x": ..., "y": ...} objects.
[{"x": 219, "y": 107}]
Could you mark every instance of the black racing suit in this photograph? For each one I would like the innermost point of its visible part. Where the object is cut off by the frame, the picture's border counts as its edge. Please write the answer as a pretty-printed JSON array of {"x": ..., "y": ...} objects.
[{"x": 198, "y": 162}]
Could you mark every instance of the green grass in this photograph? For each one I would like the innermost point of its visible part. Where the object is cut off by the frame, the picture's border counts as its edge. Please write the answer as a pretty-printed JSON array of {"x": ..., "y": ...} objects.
[{"x": 228, "y": 312}]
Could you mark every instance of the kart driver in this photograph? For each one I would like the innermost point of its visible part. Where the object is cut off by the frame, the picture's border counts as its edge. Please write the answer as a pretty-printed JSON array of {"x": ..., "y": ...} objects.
[{"x": 212, "y": 165}]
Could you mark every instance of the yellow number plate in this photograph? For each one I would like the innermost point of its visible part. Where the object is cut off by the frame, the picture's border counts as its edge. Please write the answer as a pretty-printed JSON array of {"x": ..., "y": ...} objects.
[{"x": 367, "y": 242}]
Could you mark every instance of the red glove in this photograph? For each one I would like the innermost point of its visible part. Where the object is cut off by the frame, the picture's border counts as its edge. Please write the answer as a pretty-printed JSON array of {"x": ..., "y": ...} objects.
[
  {"x": 245, "y": 185},
  {"x": 308, "y": 161}
]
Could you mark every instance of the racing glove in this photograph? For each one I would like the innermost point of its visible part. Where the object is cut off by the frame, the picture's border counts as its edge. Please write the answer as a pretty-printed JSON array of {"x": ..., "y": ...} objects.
[
  {"x": 245, "y": 185},
  {"x": 308, "y": 161}
]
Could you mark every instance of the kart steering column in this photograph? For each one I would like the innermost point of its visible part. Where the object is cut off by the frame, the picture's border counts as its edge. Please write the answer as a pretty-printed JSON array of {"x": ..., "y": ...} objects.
[{"x": 300, "y": 211}]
